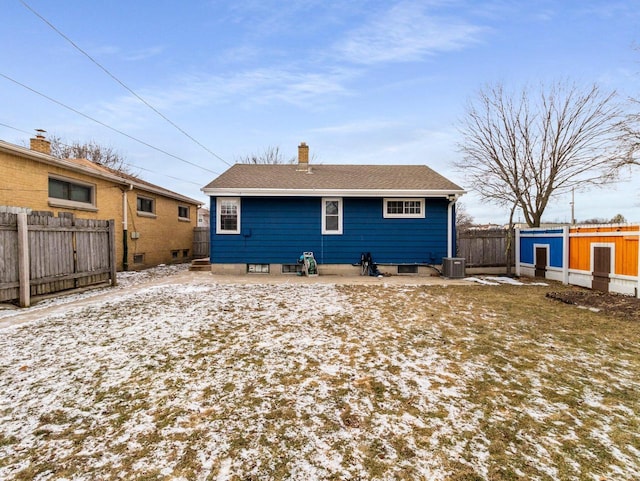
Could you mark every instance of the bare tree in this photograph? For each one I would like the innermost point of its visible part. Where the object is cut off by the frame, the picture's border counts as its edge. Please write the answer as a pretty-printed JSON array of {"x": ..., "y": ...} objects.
[
  {"x": 631, "y": 131},
  {"x": 616, "y": 219},
  {"x": 631, "y": 136},
  {"x": 271, "y": 155},
  {"x": 92, "y": 151},
  {"x": 464, "y": 220},
  {"x": 522, "y": 150}
]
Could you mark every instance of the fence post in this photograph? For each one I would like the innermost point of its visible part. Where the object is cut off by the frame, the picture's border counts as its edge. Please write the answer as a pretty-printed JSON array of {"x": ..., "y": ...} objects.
[
  {"x": 517, "y": 254},
  {"x": 74, "y": 246},
  {"x": 638, "y": 273},
  {"x": 23, "y": 260},
  {"x": 112, "y": 252},
  {"x": 565, "y": 255}
]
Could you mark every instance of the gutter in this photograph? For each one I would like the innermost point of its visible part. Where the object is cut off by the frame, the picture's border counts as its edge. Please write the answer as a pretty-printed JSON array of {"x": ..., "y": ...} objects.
[
  {"x": 259, "y": 192},
  {"x": 72, "y": 166}
]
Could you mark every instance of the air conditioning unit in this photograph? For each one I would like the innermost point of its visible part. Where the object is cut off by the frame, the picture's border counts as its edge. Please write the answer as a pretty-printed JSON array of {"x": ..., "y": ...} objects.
[{"x": 453, "y": 267}]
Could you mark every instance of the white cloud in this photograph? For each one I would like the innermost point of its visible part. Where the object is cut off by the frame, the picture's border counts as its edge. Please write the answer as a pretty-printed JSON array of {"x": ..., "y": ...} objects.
[
  {"x": 387, "y": 142},
  {"x": 130, "y": 56},
  {"x": 356, "y": 127},
  {"x": 251, "y": 87},
  {"x": 611, "y": 9},
  {"x": 143, "y": 53},
  {"x": 407, "y": 32}
]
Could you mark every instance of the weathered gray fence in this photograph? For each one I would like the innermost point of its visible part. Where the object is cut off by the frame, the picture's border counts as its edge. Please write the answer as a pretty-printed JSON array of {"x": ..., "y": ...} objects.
[
  {"x": 201, "y": 237},
  {"x": 41, "y": 254},
  {"x": 485, "y": 247}
]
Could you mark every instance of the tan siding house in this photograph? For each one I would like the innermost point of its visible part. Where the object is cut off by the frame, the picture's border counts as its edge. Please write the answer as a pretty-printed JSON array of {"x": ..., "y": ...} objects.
[{"x": 153, "y": 224}]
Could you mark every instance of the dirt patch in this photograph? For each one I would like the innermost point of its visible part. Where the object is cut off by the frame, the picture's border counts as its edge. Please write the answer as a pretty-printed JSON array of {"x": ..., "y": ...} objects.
[{"x": 618, "y": 305}]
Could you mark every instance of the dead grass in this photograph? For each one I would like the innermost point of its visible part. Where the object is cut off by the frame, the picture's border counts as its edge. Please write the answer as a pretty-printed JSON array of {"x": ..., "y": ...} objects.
[{"x": 367, "y": 382}]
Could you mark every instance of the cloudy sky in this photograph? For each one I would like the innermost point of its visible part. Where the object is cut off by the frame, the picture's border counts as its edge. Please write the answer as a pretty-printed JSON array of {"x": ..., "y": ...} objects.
[{"x": 366, "y": 82}]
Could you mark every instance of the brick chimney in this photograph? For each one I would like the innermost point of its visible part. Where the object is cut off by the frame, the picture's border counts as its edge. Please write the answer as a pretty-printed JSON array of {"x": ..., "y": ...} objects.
[
  {"x": 303, "y": 156},
  {"x": 40, "y": 143}
]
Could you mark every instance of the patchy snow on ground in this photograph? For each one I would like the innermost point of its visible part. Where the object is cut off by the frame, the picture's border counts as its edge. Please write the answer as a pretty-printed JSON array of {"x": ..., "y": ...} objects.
[
  {"x": 199, "y": 381},
  {"x": 497, "y": 280},
  {"x": 126, "y": 280}
]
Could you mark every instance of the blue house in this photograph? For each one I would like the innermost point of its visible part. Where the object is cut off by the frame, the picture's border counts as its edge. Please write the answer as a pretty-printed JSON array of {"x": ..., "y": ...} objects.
[{"x": 263, "y": 217}]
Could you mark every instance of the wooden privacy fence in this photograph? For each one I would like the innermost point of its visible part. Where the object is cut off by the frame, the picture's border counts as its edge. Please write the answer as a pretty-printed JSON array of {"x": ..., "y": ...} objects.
[
  {"x": 41, "y": 254},
  {"x": 485, "y": 247},
  {"x": 201, "y": 237}
]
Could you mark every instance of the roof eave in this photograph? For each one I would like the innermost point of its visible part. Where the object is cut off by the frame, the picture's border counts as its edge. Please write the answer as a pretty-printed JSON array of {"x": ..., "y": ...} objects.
[
  {"x": 165, "y": 193},
  {"x": 259, "y": 192},
  {"x": 70, "y": 165}
]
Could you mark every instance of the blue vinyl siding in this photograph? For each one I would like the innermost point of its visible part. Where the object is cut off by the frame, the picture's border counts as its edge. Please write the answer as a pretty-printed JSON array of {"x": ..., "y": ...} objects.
[
  {"x": 527, "y": 251},
  {"x": 279, "y": 229}
]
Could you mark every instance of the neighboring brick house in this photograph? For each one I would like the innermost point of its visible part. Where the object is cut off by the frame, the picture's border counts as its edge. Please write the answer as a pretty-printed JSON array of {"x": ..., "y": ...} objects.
[{"x": 153, "y": 224}]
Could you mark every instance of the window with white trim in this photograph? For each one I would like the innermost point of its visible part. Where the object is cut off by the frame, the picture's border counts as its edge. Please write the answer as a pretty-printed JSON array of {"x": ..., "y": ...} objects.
[
  {"x": 228, "y": 215},
  {"x": 404, "y": 208},
  {"x": 332, "y": 216}
]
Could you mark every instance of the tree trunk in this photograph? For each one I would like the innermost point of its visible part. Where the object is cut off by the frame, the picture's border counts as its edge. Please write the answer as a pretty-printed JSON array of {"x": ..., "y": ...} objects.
[{"x": 510, "y": 239}]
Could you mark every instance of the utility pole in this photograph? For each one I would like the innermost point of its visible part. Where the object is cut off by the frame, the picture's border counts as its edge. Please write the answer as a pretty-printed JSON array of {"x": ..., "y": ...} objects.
[{"x": 573, "y": 206}]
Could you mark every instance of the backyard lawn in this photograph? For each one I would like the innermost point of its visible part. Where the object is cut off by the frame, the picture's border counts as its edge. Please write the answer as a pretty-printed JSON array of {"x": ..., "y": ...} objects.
[{"x": 208, "y": 381}]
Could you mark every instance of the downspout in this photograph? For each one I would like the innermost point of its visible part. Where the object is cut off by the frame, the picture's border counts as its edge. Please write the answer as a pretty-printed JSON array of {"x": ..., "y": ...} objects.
[
  {"x": 125, "y": 240},
  {"x": 451, "y": 234}
]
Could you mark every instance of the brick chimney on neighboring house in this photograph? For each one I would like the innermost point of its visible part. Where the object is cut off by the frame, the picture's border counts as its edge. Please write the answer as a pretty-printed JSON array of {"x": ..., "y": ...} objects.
[
  {"x": 303, "y": 156},
  {"x": 40, "y": 143}
]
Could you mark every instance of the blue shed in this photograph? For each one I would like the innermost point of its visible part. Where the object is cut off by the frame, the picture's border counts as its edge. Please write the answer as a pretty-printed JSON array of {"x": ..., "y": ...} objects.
[
  {"x": 542, "y": 252},
  {"x": 264, "y": 216}
]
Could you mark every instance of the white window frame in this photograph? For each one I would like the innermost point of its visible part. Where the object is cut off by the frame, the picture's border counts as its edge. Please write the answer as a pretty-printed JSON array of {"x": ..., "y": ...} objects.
[
  {"x": 387, "y": 215},
  {"x": 325, "y": 231},
  {"x": 219, "y": 201}
]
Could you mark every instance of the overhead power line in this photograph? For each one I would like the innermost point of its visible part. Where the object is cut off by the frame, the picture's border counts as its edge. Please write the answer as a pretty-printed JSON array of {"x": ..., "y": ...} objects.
[
  {"x": 104, "y": 69},
  {"x": 146, "y": 144},
  {"x": 15, "y": 128},
  {"x": 129, "y": 164}
]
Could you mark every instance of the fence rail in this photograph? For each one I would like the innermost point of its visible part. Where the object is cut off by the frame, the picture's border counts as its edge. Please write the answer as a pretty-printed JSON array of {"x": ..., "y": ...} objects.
[
  {"x": 485, "y": 247},
  {"x": 42, "y": 254}
]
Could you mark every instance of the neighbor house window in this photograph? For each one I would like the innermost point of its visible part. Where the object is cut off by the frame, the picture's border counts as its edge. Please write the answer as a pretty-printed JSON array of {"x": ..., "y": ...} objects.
[
  {"x": 228, "y": 215},
  {"x": 183, "y": 212},
  {"x": 71, "y": 193},
  {"x": 332, "y": 216},
  {"x": 412, "y": 208},
  {"x": 146, "y": 205}
]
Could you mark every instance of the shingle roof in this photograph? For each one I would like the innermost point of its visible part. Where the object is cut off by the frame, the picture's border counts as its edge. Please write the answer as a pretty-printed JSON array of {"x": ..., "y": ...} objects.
[
  {"x": 140, "y": 183},
  {"x": 91, "y": 168},
  {"x": 332, "y": 177}
]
